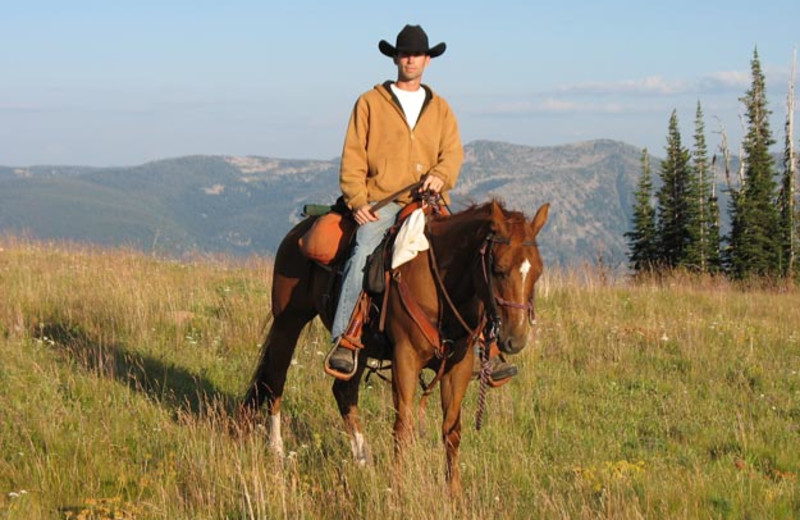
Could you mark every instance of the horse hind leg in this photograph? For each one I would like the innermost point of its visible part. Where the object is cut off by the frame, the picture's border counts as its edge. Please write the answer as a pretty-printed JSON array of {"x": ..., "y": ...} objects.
[
  {"x": 346, "y": 394},
  {"x": 270, "y": 374}
]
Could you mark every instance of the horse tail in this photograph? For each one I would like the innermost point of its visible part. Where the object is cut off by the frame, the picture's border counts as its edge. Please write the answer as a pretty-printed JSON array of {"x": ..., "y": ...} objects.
[
  {"x": 269, "y": 376},
  {"x": 292, "y": 308},
  {"x": 257, "y": 391}
]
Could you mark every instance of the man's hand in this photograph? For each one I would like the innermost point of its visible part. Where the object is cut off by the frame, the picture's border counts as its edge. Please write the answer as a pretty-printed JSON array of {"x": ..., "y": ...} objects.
[
  {"x": 364, "y": 214},
  {"x": 431, "y": 183}
]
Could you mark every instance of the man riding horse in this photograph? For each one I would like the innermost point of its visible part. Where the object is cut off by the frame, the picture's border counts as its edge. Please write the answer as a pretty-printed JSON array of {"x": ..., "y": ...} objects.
[{"x": 399, "y": 132}]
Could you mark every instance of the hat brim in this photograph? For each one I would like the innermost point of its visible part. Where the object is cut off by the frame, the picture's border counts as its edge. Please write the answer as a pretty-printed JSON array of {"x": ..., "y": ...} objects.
[{"x": 387, "y": 49}]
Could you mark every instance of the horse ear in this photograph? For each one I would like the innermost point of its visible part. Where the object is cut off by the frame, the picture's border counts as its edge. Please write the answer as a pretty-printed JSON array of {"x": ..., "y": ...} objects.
[
  {"x": 498, "y": 219},
  {"x": 540, "y": 219}
]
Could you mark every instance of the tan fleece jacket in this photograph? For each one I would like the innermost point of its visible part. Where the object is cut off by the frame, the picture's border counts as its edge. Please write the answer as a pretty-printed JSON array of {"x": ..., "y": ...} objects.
[{"x": 382, "y": 154}]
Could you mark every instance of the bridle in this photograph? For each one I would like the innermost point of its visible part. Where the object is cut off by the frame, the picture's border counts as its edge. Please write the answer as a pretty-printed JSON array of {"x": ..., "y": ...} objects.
[
  {"x": 485, "y": 333},
  {"x": 493, "y": 320}
]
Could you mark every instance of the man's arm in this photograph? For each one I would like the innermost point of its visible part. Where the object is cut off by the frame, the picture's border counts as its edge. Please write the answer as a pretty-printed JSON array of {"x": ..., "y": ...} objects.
[
  {"x": 451, "y": 152},
  {"x": 353, "y": 169}
]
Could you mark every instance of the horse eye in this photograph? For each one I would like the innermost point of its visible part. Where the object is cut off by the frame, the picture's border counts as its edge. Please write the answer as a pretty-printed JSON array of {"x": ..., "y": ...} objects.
[{"x": 499, "y": 272}]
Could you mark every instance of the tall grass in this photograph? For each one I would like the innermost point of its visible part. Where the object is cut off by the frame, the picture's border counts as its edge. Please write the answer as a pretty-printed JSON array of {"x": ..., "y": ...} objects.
[{"x": 120, "y": 372}]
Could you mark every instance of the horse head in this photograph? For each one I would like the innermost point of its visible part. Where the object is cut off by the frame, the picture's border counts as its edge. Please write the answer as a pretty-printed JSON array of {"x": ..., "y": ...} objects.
[{"x": 510, "y": 266}]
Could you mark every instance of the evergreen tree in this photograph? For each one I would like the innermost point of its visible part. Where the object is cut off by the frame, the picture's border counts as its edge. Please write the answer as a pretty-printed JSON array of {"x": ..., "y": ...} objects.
[
  {"x": 642, "y": 238},
  {"x": 704, "y": 251},
  {"x": 676, "y": 202},
  {"x": 755, "y": 247}
]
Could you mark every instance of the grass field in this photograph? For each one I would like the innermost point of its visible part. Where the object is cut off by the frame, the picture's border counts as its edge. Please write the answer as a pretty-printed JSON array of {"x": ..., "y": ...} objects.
[{"x": 119, "y": 374}]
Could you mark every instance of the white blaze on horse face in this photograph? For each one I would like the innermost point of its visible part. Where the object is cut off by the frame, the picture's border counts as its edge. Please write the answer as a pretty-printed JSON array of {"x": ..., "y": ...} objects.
[
  {"x": 524, "y": 269},
  {"x": 275, "y": 439}
]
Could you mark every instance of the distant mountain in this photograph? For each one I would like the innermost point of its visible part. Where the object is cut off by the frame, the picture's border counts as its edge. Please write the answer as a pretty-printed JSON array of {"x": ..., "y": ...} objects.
[
  {"x": 245, "y": 205},
  {"x": 176, "y": 206},
  {"x": 589, "y": 185}
]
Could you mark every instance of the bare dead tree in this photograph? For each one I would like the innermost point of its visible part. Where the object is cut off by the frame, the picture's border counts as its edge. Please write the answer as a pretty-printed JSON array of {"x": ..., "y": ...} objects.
[
  {"x": 726, "y": 155},
  {"x": 741, "y": 151},
  {"x": 713, "y": 172},
  {"x": 791, "y": 165}
]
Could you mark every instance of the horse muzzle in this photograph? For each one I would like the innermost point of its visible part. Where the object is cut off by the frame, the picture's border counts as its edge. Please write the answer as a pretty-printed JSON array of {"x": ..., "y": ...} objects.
[{"x": 512, "y": 344}]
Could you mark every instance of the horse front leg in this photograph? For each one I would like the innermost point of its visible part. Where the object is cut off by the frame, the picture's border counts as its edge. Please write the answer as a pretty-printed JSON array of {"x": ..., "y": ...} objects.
[
  {"x": 346, "y": 394},
  {"x": 405, "y": 372},
  {"x": 454, "y": 387}
]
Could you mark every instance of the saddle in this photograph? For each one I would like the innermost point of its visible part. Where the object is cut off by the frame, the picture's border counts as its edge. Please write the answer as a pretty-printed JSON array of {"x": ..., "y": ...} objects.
[
  {"x": 328, "y": 242},
  {"x": 369, "y": 318}
]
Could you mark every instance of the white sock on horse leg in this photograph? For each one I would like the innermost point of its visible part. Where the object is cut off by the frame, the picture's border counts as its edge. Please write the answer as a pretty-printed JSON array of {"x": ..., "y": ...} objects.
[{"x": 275, "y": 439}]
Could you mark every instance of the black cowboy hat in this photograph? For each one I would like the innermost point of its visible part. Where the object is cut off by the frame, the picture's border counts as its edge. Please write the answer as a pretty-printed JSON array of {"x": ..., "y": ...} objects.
[{"x": 411, "y": 40}]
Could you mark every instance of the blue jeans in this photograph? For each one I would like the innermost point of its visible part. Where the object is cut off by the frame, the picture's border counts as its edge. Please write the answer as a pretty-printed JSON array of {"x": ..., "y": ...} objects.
[{"x": 368, "y": 236}]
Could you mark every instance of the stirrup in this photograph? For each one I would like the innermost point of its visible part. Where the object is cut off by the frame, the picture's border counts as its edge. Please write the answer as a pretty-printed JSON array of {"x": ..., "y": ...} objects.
[
  {"x": 498, "y": 383},
  {"x": 348, "y": 343},
  {"x": 495, "y": 383}
]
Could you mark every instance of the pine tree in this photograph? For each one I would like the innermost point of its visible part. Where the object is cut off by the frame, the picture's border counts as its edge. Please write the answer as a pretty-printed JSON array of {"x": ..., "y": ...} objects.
[
  {"x": 755, "y": 239},
  {"x": 642, "y": 238},
  {"x": 676, "y": 202},
  {"x": 704, "y": 251}
]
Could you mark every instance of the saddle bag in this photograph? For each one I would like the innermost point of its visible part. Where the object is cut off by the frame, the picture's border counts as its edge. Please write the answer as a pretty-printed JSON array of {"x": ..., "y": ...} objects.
[
  {"x": 327, "y": 239},
  {"x": 375, "y": 270}
]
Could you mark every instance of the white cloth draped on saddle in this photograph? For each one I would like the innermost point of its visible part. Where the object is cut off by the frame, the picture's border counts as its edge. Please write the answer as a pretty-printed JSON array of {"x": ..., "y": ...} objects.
[{"x": 410, "y": 240}]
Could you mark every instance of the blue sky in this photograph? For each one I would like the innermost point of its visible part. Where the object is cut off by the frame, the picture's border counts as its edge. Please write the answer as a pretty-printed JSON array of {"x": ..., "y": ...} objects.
[{"x": 124, "y": 82}]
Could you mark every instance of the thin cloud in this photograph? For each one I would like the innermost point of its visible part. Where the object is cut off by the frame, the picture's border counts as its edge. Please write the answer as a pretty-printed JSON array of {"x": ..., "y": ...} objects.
[
  {"x": 20, "y": 109},
  {"x": 719, "y": 91},
  {"x": 651, "y": 85},
  {"x": 719, "y": 82},
  {"x": 556, "y": 106},
  {"x": 724, "y": 81}
]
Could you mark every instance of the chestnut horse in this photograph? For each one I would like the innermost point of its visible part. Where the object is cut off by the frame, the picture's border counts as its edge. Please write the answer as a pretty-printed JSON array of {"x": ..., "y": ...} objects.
[{"x": 477, "y": 277}]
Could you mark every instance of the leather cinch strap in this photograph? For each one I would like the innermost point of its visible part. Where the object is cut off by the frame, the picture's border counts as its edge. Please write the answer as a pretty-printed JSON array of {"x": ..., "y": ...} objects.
[{"x": 417, "y": 314}]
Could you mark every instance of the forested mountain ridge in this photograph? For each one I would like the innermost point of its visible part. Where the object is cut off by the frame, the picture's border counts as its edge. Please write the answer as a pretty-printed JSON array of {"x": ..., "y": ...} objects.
[{"x": 245, "y": 205}]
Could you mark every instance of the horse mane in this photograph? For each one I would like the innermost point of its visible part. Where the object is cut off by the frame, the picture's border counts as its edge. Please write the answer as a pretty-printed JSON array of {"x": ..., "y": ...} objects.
[
  {"x": 476, "y": 208},
  {"x": 479, "y": 217}
]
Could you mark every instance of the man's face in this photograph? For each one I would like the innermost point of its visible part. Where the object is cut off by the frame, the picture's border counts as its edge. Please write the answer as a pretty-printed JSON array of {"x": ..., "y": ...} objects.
[{"x": 411, "y": 66}]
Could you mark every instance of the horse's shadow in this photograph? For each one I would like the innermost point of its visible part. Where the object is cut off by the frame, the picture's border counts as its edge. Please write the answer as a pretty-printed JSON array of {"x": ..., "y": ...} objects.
[{"x": 174, "y": 387}]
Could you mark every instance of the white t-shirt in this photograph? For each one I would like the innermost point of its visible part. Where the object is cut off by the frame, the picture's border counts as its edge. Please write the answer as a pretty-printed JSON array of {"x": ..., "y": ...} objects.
[{"x": 411, "y": 103}]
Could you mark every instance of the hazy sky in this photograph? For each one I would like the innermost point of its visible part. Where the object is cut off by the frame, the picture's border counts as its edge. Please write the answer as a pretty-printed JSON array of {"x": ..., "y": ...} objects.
[{"x": 124, "y": 82}]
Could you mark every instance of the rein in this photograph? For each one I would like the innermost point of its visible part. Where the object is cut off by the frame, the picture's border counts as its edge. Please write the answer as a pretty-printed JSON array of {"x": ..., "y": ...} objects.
[
  {"x": 493, "y": 321},
  {"x": 381, "y": 203},
  {"x": 485, "y": 333},
  {"x": 490, "y": 321}
]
